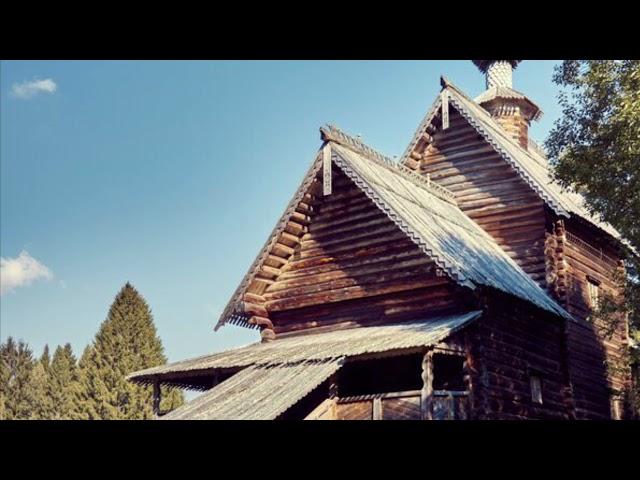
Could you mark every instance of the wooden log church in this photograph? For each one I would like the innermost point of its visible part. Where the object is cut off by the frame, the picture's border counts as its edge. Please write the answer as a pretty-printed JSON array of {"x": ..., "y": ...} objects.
[{"x": 455, "y": 283}]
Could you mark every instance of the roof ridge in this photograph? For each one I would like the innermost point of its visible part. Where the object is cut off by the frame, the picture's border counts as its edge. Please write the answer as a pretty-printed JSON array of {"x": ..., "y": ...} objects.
[{"x": 332, "y": 133}]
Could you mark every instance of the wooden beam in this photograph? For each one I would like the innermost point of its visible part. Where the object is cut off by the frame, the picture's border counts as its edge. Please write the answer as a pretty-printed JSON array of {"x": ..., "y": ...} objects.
[
  {"x": 270, "y": 270},
  {"x": 284, "y": 248},
  {"x": 254, "y": 309},
  {"x": 377, "y": 409},
  {"x": 296, "y": 227},
  {"x": 253, "y": 298},
  {"x": 262, "y": 322},
  {"x": 277, "y": 259},
  {"x": 289, "y": 237},
  {"x": 267, "y": 335},
  {"x": 301, "y": 218},
  {"x": 268, "y": 281}
]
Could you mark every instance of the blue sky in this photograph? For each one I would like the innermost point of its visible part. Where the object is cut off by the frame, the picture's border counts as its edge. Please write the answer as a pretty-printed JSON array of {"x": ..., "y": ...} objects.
[{"x": 171, "y": 175}]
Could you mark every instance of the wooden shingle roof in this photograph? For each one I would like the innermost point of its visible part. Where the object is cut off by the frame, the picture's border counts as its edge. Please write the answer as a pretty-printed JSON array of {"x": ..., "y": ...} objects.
[{"x": 275, "y": 375}]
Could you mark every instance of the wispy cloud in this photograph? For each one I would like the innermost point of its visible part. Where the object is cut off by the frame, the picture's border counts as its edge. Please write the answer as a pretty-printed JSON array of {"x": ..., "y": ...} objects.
[
  {"x": 21, "y": 272},
  {"x": 30, "y": 89}
]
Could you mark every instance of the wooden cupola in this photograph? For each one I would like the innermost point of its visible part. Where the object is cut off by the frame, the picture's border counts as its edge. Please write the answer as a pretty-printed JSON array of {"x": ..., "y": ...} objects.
[{"x": 511, "y": 109}]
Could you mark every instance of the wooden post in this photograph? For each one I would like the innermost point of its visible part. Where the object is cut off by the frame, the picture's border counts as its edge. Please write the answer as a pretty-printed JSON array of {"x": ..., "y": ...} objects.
[
  {"x": 426, "y": 394},
  {"x": 561, "y": 264},
  {"x": 444, "y": 96},
  {"x": 377, "y": 409},
  {"x": 333, "y": 386},
  {"x": 156, "y": 398},
  {"x": 452, "y": 407},
  {"x": 326, "y": 170}
]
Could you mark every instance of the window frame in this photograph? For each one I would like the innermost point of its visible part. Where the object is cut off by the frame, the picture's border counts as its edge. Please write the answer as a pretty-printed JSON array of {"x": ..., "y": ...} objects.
[
  {"x": 593, "y": 292},
  {"x": 537, "y": 395}
]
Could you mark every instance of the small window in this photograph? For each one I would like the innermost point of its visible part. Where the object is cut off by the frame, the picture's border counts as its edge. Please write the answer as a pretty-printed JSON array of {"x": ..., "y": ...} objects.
[
  {"x": 593, "y": 289},
  {"x": 536, "y": 389}
]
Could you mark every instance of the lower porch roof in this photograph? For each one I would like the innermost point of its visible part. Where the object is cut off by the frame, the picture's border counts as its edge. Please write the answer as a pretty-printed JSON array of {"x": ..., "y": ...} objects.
[{"x": 262, "y": 380}]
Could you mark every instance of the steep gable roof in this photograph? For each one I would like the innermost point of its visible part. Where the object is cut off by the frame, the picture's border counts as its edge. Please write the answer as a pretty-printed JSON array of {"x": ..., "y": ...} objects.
[
  {"x": 531, "y": 165},
  {"x": 425, "y": 212}
]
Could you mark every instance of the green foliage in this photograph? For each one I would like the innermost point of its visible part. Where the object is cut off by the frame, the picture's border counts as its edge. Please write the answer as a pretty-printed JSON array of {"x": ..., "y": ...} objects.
[
  {"x": 595, "y": 146},
  {"x": 3, "y": 412},
  {"x": 41, "y": 405},
  {"x": 594, "y": 149},
  {"x": 63, "y": 380},
  {"x": 95, "y": 387},
  {"x": 127, "y": 341},
  {"x": 45, "y": 358},
  {"x": 16, "y": 364}
]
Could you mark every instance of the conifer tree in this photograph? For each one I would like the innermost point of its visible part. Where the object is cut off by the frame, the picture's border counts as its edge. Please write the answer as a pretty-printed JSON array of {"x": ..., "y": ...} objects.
[
  {"x": 3, "y": 414},
  {"x": 40, "y": 401},
  {"x": 16, "y": 364},
  {"x": 41, "y": 384},
  {"x": 63, "y": 379},
  {"x": 127, "y": 341},
  {"x": 80, "y": 404},
  {"x": 45, "y": 359}
]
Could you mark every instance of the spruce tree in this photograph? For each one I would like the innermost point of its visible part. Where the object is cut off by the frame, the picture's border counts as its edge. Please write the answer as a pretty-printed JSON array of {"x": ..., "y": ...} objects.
[
  {"x": 63, "y": 379},
  {"x": 40, "y": 400},
  {"x": 80, "y": 404},
  {"x": 41, "y": 384},
  {"x": 45, "y": 359},
  {"x": 126, "y": 341},
  {"x": 3, "y": 411},
  {"x": 16, "y": 364}
]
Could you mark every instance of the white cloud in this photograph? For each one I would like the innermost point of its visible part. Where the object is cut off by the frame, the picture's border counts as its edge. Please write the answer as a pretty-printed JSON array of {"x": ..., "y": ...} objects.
[
  {"x": 21, "y": 271},
  {"x": 29, "y": 89}
]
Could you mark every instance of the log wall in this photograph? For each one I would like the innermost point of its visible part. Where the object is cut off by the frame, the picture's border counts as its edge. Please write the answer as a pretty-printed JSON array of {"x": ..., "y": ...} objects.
[
  {"x": 597, "y": 350},
  {"x": 488, "y": 190},
  {"x": 506, "y": 346},
  {"x": 355, "y": 266}
]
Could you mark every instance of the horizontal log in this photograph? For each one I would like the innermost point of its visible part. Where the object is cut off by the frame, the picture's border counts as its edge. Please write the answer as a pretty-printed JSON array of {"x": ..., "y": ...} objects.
[
  {"x": 267, "y": 270},
  {"x": 370, "y": 306},
  {"x": 342, "y": 319},
  {"x": 254, "y": 309},
  {"x": 364, "y": 238},
  {"x": 253, "y": 298},
  {"x": 277, "y": 259},
  {"x": 354, "y": 275},
  {"x": 288, "y": 289},
  {"x": 337, "y": 223},
  {"x": 289, "y": 239},
  {"x": 295, "y": 228},
  {"x": 301, "y": 218},
  {"x": 281, "y": 249},
  {"x": 347, "y": 293},
  {"x": 261, "y": 279},
  {"x": 477, "y": 150},
  {"x": 371, "y": 256},
  {"x": 267, "y": 335},
  {"x": 263, "y": 322}
]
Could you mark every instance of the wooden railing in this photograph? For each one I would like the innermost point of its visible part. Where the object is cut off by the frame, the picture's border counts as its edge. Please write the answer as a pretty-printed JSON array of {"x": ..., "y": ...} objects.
[
  {"x": 450, "y": 405},
  {"x": 445, "y": 405},
  {"x": 594, "y": 252}
]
